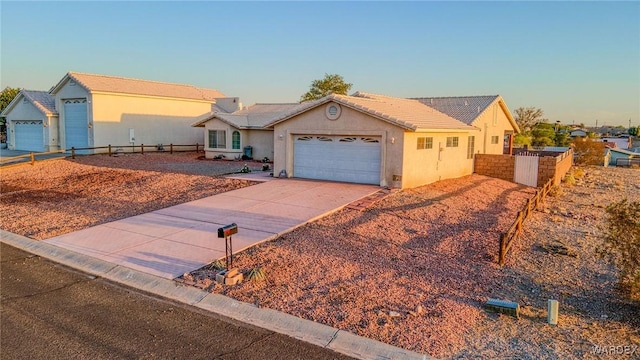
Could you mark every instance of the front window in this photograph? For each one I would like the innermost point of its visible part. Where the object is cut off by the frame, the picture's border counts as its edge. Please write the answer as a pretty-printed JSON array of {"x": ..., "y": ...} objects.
[
  {"x": 495, "y": 139},
  {"x": 217, "y": 139},
  {"x": 425, "y": 143},
  {"x": 235, "y": 140}
]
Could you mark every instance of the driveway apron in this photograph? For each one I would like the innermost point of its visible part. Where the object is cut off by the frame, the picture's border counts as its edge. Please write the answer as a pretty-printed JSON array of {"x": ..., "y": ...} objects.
[{"x": 182, "y": 238}]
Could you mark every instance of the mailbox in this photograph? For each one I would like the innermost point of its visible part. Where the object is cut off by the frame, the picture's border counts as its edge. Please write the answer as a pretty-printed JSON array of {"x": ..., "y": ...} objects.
[{"x": 227, "y": 230}]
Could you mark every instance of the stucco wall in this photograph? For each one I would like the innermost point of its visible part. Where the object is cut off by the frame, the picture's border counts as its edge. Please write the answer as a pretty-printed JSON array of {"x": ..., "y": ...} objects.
[
  {"x": 492, "y": 122},
  {"x": 154, "y": 120},
  {"x": 424, "y": 166},
  {"x": 69, "y": 91},
  {"x": 350, "y": 122},
  {"x": 25, "y": 110},
  {"x": 261, "y": 141}
]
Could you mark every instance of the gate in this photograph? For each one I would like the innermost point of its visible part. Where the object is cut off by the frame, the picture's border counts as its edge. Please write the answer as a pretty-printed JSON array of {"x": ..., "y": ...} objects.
[{"x": 526, "y": 169}]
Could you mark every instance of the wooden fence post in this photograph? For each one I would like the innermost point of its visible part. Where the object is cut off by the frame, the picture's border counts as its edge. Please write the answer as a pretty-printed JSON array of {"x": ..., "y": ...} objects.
[
  {"x": 33, "y": 159},
  {"x": 197, "y": 148},
  {"x": 73, "y": 152},
  {"x": 503, "y": 247},
  {"x": 109, "y": 149},
  {"x": 171, "y": 148},
  {"x": 142, "y": 148}
]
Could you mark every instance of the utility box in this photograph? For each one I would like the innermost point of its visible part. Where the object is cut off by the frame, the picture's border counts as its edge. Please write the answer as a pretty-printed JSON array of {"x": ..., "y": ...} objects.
[
  {"x": 248, "y": 151},
  {"x": 552, "y": 309}
]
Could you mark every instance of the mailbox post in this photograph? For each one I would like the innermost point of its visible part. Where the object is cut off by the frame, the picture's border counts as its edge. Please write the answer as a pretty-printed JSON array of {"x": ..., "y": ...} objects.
[{"x": 226, "y": 232}]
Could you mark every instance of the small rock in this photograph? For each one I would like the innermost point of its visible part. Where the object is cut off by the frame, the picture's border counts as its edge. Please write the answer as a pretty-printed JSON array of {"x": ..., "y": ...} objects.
[
  {"x": 394, "y": 314},
  {"x": 604, "y": 316},
  {"x": 419, "y": 309},
  {"x": 413, "y": 313}
]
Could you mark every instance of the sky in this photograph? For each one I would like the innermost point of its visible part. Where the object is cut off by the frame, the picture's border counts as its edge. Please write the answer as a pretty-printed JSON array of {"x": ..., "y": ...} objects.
[{"x": 577, "y": 61}]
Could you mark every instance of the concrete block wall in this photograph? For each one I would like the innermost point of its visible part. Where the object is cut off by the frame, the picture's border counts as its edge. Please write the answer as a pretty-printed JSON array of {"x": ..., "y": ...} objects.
[
  {"x": 497, "y": 166},
  {"x": 555, "y": 167},
  {"x": 503, "y": 166}
]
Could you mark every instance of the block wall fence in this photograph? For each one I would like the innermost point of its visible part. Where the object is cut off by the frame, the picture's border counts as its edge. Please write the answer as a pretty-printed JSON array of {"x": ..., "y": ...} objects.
[{"x": 503, "y": 166}]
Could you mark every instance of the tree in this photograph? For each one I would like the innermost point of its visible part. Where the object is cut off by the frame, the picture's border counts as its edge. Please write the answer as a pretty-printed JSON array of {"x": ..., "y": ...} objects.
[
  {"x": 6, "y": 96},
  {"x": 543, "y": 135},
  {"x": 634, "y": 131},
  {"x": 331, "y": 84},
  {"x": 527, "y": 118}
]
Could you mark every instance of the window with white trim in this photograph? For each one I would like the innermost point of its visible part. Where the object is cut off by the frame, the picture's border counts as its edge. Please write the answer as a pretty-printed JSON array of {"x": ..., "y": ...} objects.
[
  {"x": 452, "y": 141},
  {"x": 235, "y": 140},
  {"x": 471, "y": 147},
  {"x": 425, "y": 143},
  {"x": 217, "y": 139}
]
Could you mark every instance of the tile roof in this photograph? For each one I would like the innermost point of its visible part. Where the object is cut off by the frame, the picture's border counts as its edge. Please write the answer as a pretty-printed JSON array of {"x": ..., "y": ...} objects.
[
  {"x": 463, "y": 108},
  {"x": 40, "y": 99},
  {"x": 115, "y": 84},
  {"x": 406, "y": 113},
  {"x": 253, "y": 117}
]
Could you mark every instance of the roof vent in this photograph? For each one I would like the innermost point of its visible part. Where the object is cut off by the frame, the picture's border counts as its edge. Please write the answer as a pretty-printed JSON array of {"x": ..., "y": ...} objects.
[
  {"x": 431, "y": 101},
  {"x": 466, "y": 103},
  {"x": 478, "y": 109}
]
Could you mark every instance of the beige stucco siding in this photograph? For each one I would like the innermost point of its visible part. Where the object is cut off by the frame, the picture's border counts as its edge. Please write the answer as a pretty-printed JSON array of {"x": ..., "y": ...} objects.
[
  {"x": 25, "y": 110},
  {"x": 493, "y": 122},
  {"x": 261, "y": 141},
  {"x": 350, "y": 122},
  {"x": 154, "y": 120},
  {"x": 424, "y": 166}
]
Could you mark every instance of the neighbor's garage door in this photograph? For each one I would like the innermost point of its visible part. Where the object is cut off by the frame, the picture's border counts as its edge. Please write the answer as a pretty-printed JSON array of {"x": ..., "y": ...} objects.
[
  {"x": 340, "y": 158},
  {"x": 29, "y": 135},
  {"x": 75, "y": 123}
]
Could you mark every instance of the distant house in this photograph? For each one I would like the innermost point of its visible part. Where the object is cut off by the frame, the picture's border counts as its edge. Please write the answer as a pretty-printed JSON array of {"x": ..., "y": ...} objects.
[
  {"x": 615, "y": 155},
  {"x": 89, "y": 110},
  {"x": 620, "y": 143},
  {"x": 578, "y": 133}
]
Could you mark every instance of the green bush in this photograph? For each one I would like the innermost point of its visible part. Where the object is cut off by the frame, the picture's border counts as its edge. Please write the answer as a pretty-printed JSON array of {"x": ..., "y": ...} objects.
[{"x": 622, "y": 244}]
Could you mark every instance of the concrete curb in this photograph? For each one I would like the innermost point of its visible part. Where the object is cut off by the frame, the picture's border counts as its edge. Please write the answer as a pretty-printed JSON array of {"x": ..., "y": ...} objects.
[{"x": 305, "y": 330}]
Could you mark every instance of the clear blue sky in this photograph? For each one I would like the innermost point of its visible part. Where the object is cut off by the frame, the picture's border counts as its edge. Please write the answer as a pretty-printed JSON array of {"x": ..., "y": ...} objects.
[{"x": 578, "y": 61}]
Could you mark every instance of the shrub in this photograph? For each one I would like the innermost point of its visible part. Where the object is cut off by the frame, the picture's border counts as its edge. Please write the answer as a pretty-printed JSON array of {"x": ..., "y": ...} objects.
[
  {"x": 257, "y": 274},
  {"x": 569, "y": 180},
  {"x": 578, "y": 173},
  {"x": 588, "y": 152},
  {"x": 556, "y": 191},
  {"x": 622, "y": 244}
]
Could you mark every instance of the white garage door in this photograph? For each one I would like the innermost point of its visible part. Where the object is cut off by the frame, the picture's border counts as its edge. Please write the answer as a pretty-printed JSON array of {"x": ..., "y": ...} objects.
[
  {"x": 339, "y": 158},
  {"x": 29, "y": 135},
  {"x": 76, "y": 131}
]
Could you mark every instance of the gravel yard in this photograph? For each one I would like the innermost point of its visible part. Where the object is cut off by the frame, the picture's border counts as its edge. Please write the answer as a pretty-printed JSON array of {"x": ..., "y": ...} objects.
[
  {"x": 412, "y": 270},
  {"x": 60, "y": 196}
]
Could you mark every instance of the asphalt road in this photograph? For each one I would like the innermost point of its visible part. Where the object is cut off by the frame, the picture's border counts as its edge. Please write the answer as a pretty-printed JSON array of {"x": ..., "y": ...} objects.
[{"x": 48, "y": 311}]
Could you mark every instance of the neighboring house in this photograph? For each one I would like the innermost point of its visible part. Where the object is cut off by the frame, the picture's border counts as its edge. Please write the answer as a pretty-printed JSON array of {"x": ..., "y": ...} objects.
[
  {"x": 578, "y": 133},
  {"x": 620, "y": 143},
  {"x": 100, "y": 110},
  {"x": 242, "y": 132},
  {"x": 32, "y": 122},
  {"x": 387, "y": 141},
  {"x": 614, "y": 154}
]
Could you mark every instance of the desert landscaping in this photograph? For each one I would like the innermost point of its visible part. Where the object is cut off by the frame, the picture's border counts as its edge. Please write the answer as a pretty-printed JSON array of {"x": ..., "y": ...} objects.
[{"x": 412, "y": 269}]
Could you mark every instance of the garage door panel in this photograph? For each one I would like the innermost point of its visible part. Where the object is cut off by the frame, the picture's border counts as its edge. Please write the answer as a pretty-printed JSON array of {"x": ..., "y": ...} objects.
[
  {"x": 348, "y": 159},
  {"x": 29, "y": 135},
  {"x": 75, "y": 125}
]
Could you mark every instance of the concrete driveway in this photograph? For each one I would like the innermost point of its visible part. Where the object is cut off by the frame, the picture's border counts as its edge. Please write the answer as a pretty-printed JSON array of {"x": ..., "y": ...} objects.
[{"x": 182, "y": 238}]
